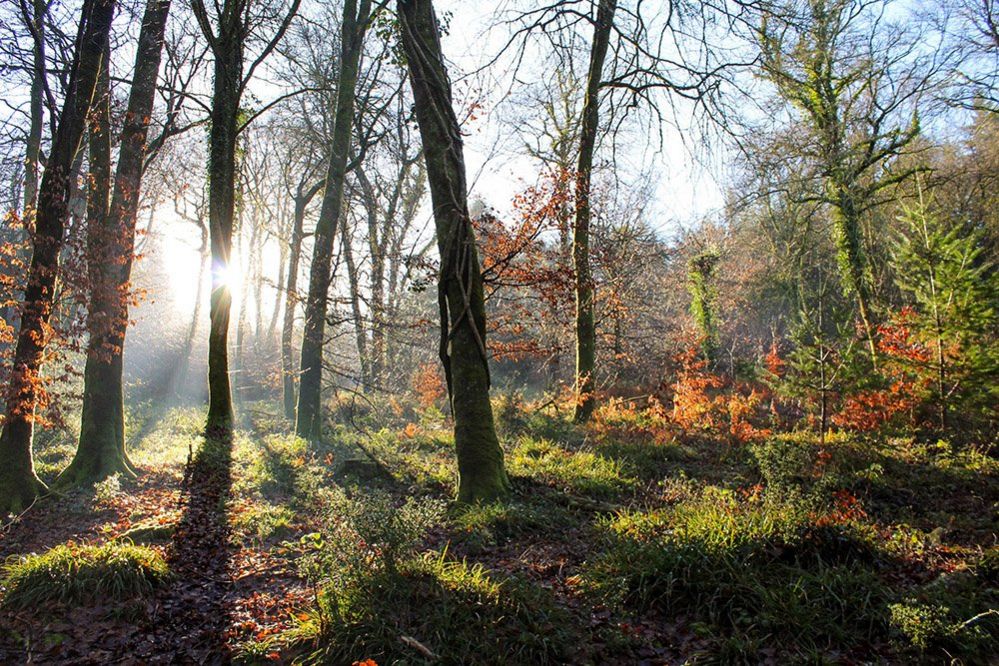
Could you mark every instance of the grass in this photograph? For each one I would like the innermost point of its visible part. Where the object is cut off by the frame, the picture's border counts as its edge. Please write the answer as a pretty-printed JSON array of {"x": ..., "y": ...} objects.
[
  {"x": 432, "y": 610},
  {"x": 624, "y": 540},
  {"x": 755, "y": 571},
  {"x": 580, "y": 472},
  {"x": 76, "y": 574}
]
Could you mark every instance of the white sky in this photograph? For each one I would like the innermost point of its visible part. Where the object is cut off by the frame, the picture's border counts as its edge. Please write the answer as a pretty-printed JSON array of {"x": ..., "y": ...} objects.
[{"x": 684, "y": 190}]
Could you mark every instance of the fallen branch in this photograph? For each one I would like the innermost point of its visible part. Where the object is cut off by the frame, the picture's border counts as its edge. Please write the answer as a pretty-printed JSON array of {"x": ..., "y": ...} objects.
[{"x": 409, "y": 641}]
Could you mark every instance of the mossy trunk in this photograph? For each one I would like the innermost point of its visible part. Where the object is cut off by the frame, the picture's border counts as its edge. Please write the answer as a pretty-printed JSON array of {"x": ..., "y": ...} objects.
[
  {"x": 228, "y": 51},
  {"x": 846, "y": 235},
  {"x": 356, "y": 16},
  {"x": 19, "y": 485},
  {"x": 586, "y": 333},
  {"x": 110, "y": 248},
  {"x": 481, "y": 475}
]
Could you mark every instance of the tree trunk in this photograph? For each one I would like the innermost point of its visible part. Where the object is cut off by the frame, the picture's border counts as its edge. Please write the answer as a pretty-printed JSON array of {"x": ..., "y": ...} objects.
[
  {"x": 376, "y": 250},
  {"x": 353, "y": 282},
  {"x": 586, "y": 336},
  {"x": 19, "y": 485},
  {"x": 279, "y": 291},
  {"x": 221, "y": 210},
  {"x": 302, "y": 200},
  {"x": 111, "y": 246},
  {"x": 33, "y": 149},
  {"x": 481, "y": 476},
  {"x": 846, "y": 235},
  {"x": 355, "y": 23}
]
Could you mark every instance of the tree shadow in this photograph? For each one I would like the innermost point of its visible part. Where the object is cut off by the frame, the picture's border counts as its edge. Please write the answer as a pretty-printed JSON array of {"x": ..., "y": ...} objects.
[{"x": 193, "y": 614}]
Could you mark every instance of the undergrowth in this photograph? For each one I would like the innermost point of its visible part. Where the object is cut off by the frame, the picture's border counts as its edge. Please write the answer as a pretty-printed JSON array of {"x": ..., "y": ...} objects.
[{"x": 77, "y": 574}]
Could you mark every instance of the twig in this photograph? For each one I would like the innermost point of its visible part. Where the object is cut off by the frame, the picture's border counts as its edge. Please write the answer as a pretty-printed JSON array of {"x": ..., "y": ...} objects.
[{"x": 418, "y": 646}]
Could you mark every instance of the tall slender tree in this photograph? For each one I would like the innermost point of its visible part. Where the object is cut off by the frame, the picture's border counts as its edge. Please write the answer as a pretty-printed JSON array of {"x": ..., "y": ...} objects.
[
  {"x": 586, "y": 333},
  {"x": 227, "y": 41},
  {"x": 481, "y": 475},
  {"x": 357, "y": 16},
  {"x": 19, "y": 485}
]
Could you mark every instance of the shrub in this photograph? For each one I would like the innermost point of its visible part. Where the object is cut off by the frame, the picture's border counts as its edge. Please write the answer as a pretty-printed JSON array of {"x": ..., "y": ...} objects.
[
  {"x": 71, "y": 573},
  {"x": 362, "y": 534},
  {"x": 107, "y": 492},
  {"x": 376, "y": 598}
]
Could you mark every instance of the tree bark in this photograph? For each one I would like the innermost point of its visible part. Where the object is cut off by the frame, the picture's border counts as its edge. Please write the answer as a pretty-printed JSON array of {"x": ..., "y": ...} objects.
[
  {"x": 586, "y": 337},
  {"x": 302, "y": 199},
  {"x": 111, "y": 247},
  {"x": 227, "y": 47},
  {"x": 33, "y": 149},
  {"x": 355, "y": 23},
  {"x": 481, "y": 476},
  {"x": 353, "y": 282},
  {"x": 846, "y": 235},
  {"x": 19, "y": 485}
]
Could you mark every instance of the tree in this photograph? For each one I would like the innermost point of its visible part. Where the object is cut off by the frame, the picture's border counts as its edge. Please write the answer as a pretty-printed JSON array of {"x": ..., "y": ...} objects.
[
  {"x": 939, "y": 264},
  {"x": 855, "y": 83},
  {"x": 481, "y": 476},
  {"x": 703, "y": 294},
  {"x": 110, "y": 249},
  {"x": 357, "y": 16},
  {"x": 19, "y": 485},
  {"x": 234, "y": 22},
  {"x": 586, "y": 334}
]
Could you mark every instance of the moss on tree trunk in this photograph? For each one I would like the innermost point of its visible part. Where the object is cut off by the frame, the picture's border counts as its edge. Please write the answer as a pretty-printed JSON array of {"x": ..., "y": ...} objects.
[
  {"x": 481, "y": 475},
  {"x": 19, "y": 485}
]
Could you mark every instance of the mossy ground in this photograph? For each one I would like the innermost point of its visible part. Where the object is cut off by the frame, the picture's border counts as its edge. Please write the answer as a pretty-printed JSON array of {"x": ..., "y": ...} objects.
[{"x": 624, "y": 541}]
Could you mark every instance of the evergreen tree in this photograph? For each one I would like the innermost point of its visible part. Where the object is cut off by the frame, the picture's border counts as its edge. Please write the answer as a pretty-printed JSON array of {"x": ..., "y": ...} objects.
[{"x": 939, "y": 264}]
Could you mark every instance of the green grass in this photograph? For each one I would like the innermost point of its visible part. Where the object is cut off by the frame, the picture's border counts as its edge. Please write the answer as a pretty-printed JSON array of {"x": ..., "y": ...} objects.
[
  {"x": 580, "y": 472},
  {"x": 760, "y": 571},
  {"x": 74, "y": 574},
  {"x": 457, "y": 611},
  {"x": 265, "y": 522}
]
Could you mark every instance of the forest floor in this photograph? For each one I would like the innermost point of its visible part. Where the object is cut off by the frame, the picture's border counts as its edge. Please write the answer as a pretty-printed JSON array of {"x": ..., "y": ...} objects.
[{"x": 625, "y": 542}]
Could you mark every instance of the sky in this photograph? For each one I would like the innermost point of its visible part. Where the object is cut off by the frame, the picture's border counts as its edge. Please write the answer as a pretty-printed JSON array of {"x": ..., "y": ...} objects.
[{"x": 685, "y": 189}]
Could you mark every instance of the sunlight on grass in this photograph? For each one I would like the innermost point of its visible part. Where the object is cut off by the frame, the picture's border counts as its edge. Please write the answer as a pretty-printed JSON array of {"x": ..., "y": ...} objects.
[{"x": 71, "y": 573}]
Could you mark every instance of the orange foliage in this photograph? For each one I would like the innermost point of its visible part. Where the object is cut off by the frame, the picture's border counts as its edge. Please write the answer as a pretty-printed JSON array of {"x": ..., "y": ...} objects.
[
  {"x": 428, "y": 384},
  {"x": 703, "y": 400},
  {"x": 846, "y": 508},
  {"x": 871, "y": 409}
]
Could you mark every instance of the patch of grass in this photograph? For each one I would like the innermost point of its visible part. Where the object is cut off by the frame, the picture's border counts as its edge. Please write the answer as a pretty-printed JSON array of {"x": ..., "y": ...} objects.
[
  {"x": 75, "y": 574},
  {"x": 576, "y": 471},
  {"x": 265, "y": 522},
  {"x": 749, "y": 570},
  {"x": 422, "y": 460},
  {"x": 755, "y": 570},
  {"x": 431, "y": 610},
  {"x": 168, "y": 441},
  {"x": 479, "y": 525},
  {"x": 280, "y": 468},
  {"x": 379, "y": 599}
]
